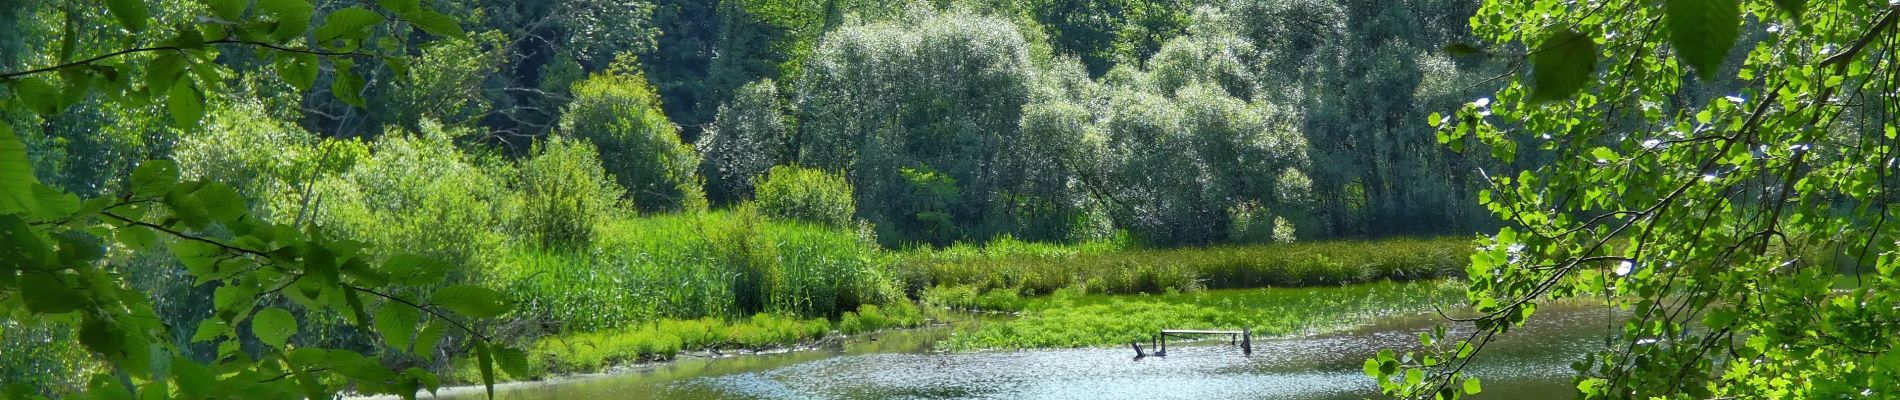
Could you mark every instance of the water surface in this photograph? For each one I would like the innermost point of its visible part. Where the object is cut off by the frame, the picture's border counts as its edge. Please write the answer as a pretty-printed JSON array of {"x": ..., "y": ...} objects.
[{"x": 1529, "y": 363}]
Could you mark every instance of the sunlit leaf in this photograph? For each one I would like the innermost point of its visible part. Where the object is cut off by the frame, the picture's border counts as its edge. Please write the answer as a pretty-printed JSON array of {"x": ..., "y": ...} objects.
[
  {"x": 228, "y": 10},
  {"x": 292, "y": 16},
  {"x": 297, "y": 69},
  {"x": 131, "y": 13},
  {"x": 435, "y": 23},
  {"x": 273, "y": 326},
  {"x": 348, "y": 23},
  {"x": 474, "y": 301},
  {"x": 186, "y": 105}
]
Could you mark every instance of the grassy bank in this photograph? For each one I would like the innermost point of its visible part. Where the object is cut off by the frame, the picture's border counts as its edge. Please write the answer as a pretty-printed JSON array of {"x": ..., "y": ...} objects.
[
  {"x": 1072, "y": 319},
  {"x": 662, "y": 340},
  {"x": 1034, "y": 270}
]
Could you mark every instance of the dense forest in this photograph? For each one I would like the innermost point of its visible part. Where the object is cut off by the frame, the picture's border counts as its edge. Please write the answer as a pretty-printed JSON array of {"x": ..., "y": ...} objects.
[{"x": 223, "y": 190}]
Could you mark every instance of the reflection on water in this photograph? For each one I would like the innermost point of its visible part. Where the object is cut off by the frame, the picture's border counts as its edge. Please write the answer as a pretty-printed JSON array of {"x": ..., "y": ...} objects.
[{"x": 1532, "y": 362}]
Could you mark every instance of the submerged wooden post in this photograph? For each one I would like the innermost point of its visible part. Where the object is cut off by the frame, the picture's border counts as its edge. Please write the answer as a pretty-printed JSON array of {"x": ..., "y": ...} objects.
[{"x": 1246, "y": 341}]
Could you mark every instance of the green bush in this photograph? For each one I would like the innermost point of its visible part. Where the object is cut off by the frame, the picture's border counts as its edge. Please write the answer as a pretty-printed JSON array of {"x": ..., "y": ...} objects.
[
  {"x": 804, "y": 194},
  {"x": 620, "y": 114},
  {"x": 418, "y": 193},
  {"x": 564, "y": 193}
]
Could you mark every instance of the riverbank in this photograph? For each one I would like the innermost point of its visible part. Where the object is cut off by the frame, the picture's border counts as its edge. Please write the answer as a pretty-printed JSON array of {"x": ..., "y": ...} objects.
[
  {"x": 593, "y": 352},
  {"x": 1071, "y": 319}
]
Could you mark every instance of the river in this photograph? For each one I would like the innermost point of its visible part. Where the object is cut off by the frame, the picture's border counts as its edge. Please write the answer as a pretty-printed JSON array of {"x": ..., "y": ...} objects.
[{"x": 1532, "y": 362}]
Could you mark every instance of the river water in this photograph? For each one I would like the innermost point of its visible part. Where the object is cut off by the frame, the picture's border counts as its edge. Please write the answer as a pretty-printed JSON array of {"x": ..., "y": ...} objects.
[{"x": 1527, "y": 363}]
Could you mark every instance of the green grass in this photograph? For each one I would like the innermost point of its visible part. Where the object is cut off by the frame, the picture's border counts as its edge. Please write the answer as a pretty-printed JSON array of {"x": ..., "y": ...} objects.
[
  {"x": 1073, "y": 319},
  {"x": 586, "y": 352},
  {"x": 688, "y": 266},
  {"x": 1038, "y": 269}
]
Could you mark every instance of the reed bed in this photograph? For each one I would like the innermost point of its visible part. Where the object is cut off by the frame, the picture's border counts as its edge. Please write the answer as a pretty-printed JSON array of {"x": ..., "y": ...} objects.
[{"x": 1034, "y": 270}]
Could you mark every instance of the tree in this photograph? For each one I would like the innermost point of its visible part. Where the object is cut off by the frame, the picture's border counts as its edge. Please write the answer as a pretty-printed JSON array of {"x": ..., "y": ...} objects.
[
  {"x": 620, "y": 113},
  {"x": 750, "y": 135},
  {"x": 55, "y": 246},
  {"x": 1720, "y": 222},
  {"x": 918, "y": 115}
]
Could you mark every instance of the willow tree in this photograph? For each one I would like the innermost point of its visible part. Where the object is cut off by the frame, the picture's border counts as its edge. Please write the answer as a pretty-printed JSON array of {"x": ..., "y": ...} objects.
[
  {"x": 1747, "y": 234},
  {"x": 918, "y": 112}
]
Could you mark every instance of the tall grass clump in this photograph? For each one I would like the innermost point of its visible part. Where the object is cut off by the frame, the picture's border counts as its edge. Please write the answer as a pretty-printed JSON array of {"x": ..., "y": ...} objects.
[
  {"x": 696, "y": 265},
  {"x": 1032, "y": 270}
]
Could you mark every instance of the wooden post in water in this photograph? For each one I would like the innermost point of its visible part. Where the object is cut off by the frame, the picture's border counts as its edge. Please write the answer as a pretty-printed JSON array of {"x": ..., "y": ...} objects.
[{"x": 1246, "y": 341}]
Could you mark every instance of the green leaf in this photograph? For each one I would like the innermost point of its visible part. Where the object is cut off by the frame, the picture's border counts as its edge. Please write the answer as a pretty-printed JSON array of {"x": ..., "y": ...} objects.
[
  {"x": 486, "y": 362},
  {"x": 513, "y": 361},
  {"x": 435, "y": 23},
  {"x": 1604, "y": 154},
  {"x": 426, "y": 340},
  {"x": 37, "y": 94},
  {"x": 349, "y": 23},
  {"x": 297, "y": 69},
  {"x": 414, "y": 270},
  {"x": 1562, "y": 65},
  {"x": 45, "y": 293},
  {"x": 228, "y": 10},
  {"x": 209, "y": 330},
  {"x": 194, "y": 380},
  {"x": 16, "y": 174},
  {"x": 162, "y": 72},
  {"x": 103, "y": 337},
  {"x": 473, "y": 301},
  {"x": 187, "y": 106},
  {"x": 397, "y": 324},
  {"x": 1793, "y": 7},
  {"x": 274, "y": 326},
  {"x": 20, "y": 247},
  {"x": 1472, "y": 386},
  {"x": 1703, "y": 31},
  {"x": 292, "y": 16},
  {"x": 220, "y": 202},
  {"x": 400, "y": 6},
  {"x": 426, "y": 378},
  {"x": 130, "y": 13},
  {"x": 154, "y": 177},
  {"x": 53, "y": 203},
  {"x": 347, "y": 86}
]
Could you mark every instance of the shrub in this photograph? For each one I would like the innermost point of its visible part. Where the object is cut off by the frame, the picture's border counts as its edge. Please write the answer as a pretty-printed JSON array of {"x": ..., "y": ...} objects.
[
  {"x": 564, "y": 193},
  {"x": 803, "y": 194},
  {"x": 621, "y": 115},
  {"x": 418, "y": 193}
]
